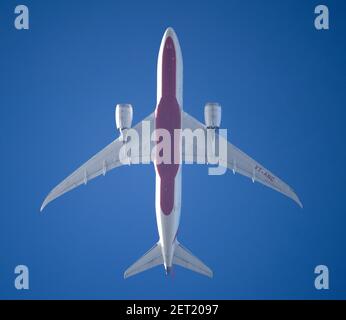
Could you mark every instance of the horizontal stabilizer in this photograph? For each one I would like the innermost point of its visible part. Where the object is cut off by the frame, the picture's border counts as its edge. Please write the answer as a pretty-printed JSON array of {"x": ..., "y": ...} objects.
[
  {"x": 184, "y": 258},
  {"x": 151, "y": 259}
]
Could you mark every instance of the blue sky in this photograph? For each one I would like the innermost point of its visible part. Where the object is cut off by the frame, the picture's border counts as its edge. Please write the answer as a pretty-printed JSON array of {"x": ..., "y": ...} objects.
[{"x": 282, "y": 87}]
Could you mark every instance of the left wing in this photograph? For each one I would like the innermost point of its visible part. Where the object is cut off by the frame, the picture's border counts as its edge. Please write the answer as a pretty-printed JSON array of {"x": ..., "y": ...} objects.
[
  {"x": 107, "y": 159},
  {"x": 238, "y": 161}
]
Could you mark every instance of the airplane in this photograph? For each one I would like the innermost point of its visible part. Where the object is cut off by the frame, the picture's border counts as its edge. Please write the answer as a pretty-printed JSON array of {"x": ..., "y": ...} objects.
[{"x": 168, "y": 115}]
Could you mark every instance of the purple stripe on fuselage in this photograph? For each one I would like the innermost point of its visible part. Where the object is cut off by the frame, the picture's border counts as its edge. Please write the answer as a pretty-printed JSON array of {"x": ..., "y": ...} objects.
[{"x": 168, "y": 116}]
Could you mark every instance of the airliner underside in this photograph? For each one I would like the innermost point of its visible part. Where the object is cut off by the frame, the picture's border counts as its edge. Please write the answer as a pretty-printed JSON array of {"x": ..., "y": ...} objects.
[{"x": 168, "y": 116}]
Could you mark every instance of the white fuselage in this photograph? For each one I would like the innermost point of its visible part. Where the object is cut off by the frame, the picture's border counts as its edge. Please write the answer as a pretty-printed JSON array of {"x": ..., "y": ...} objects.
[{"x": 168, "y": 116}]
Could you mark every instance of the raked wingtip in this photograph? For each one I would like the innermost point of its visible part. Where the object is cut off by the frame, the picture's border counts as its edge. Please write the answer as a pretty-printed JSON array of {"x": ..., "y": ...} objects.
[
  {"x": 292, "y": 195},
  {"x": 45, "y": 202},
  {"x": 297, "y": 200}
]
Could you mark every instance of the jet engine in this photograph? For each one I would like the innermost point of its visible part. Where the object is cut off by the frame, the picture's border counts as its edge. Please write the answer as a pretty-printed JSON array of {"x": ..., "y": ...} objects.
[
  {"x": 123, "y": 118},
  {"x": 212, "y": 115}
]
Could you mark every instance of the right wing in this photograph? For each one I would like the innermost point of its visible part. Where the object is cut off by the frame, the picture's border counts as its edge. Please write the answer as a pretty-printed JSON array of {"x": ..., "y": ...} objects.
[
  {"x": 238, "y": 161},
  {"x": 107, "y": 159}
]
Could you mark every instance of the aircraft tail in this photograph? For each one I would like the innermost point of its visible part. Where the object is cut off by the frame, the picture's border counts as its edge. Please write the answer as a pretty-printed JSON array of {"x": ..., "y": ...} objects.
[
  {"x": 182, "y": 257},
  {"x": 149, "y": 260}
]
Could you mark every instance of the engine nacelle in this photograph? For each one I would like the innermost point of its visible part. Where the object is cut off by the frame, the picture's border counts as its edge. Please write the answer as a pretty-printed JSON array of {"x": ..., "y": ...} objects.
[
  {"x": 212, "y": 115},
  {"x": 123, "y": 118}
]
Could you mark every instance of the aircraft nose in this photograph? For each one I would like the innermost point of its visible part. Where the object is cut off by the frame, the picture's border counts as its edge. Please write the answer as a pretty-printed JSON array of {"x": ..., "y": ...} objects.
[{"x": 170, "y": 33}]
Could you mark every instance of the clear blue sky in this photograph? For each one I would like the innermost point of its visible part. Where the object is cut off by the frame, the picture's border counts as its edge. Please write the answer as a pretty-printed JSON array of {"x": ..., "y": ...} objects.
[{"x": 282, "y": 87}]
